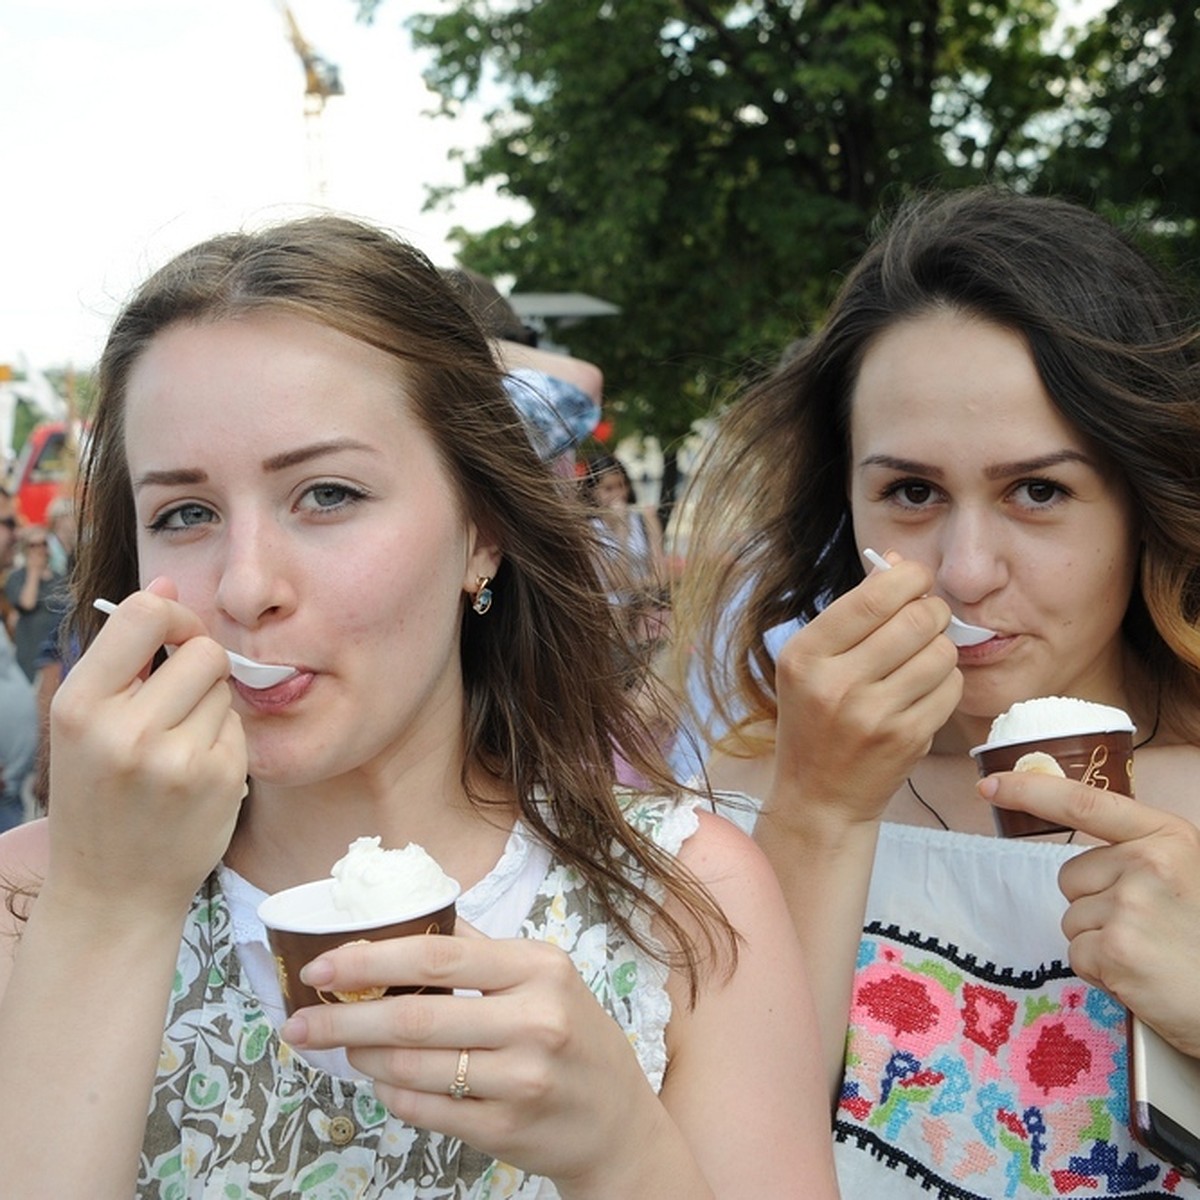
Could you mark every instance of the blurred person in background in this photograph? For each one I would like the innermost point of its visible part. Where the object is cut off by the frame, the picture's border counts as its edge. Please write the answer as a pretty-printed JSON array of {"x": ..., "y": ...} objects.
[
  {"x": 18, "y": 734},
  {"x": 37, "y": 593},
  {"x": 8, "y": 548},
  {"x": 556, "y": 395},
  {"x": 60, "y": 522}
]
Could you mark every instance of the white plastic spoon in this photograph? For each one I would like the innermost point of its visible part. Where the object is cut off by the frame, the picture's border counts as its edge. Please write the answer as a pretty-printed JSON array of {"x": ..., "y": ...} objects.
[
  {"x": 253, "y": 674},
  {"x": 959, "y": 632}
]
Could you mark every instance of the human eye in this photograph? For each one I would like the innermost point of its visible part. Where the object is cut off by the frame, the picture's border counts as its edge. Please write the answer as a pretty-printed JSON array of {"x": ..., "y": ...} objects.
[
  {"x": 1040, "y": 493},
  {"x": 911, "y": 493},
  {"x": 329, "y": 497},
  {"x": 181, "y": 517}
]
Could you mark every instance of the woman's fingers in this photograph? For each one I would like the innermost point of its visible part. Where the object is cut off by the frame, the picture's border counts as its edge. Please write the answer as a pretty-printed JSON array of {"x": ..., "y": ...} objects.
[
  {"x": 1107, "y": 816},
  {"x": 870, "y": 609},
  {"x": 409, "y": 1023},
  {"x": 175, "y": 693},
  {"x": 471, "y": 962},
  {"x": 130, "y": 638},
  {"x": 148, "y": 771}
]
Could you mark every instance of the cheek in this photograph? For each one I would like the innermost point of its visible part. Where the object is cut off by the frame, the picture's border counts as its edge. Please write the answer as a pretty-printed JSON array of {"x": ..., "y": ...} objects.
[
  {"x": 1089, "y": 594},
  {"x": 401, "y": 580},
  {"x": 191, "y": 577}
]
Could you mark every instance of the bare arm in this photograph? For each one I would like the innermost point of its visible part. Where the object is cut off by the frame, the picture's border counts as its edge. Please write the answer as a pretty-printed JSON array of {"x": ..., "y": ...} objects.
[
  {"x": 146, "y": 781},
  {"x": 740, "y": 1084},
  {"x": 861, "y": 690},
  {"x": 83, "y": 994},
  {"x": 584, "y": 375}
]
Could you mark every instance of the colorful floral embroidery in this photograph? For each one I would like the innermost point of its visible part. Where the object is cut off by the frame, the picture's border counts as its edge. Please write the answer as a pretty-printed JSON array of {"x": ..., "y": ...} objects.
[{"x": 980, "y": 1082}]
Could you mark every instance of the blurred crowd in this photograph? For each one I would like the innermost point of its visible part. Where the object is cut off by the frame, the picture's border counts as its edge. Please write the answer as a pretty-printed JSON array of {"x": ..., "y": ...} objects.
[{"x": 35, "y": 568}]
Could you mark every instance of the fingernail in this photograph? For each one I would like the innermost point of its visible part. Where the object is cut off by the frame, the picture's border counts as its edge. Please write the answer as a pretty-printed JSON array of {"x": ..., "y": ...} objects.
[
  {"x": 317, "y": 973},
  {"x": 987, "y": 787},
  {"x": 294, "y": 1031}
]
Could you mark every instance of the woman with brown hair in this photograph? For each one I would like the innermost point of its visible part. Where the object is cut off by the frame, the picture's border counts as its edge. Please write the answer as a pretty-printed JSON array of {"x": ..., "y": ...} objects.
[
  {"x": 302, "y": 451},
  {"x": 1005, "y": 398}
]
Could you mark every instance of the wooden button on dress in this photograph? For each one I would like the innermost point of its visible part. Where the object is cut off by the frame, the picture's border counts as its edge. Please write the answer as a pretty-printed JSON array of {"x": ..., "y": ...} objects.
[{"x": 341, "y": 1131}]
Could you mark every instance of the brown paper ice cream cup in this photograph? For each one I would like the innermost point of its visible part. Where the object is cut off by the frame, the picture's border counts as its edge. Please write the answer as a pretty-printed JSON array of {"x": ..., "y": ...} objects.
[
  {"x": 1101, "y": 760},
  {"x": 302, "y": 924}
]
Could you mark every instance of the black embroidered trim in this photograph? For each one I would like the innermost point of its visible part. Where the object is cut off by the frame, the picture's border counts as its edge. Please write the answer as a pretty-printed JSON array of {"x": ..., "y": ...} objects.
[
  {"x": 897, "y": 1160},
  {"x": 988, "y": 971}
]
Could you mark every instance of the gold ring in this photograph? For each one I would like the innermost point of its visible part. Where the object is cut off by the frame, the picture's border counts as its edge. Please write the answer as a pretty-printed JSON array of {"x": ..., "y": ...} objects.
[{"x": 459, "y": 1088}]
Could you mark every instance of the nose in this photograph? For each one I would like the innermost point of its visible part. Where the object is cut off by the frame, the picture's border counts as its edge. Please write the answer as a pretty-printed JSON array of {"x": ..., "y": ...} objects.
[
  {"x": 255, "y": 582},
  {"x": 973, "y": 562}
]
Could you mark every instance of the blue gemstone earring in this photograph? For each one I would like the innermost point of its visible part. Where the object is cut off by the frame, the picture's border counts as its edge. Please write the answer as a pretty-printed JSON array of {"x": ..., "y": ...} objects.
[{"x": 483, "y": 595}]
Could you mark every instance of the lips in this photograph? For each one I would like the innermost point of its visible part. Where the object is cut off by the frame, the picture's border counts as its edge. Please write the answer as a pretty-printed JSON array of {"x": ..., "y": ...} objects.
[
  {"x": 985, "y": 651},
  {"x": 280, "y": 696}
]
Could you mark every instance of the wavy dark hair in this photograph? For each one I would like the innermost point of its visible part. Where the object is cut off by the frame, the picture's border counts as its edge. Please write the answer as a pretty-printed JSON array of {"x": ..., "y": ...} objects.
[
  {"x": 544, "y": 708},
  {"x": 1115, "y": 344}
]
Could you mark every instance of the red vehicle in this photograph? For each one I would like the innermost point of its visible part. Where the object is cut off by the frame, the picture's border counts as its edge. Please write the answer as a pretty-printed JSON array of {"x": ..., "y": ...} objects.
[{"x": 44, "y": 470}]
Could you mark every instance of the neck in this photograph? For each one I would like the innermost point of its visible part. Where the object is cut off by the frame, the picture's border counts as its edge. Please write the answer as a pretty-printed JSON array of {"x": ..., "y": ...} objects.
[
  {"x": 1119, "y": 679},
  {"x": 290, "y": 834}
]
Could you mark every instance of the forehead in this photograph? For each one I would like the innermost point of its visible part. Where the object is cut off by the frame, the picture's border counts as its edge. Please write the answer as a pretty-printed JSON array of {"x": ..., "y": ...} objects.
[
  {"x": 266, "y": 377},
  {"x": 952, "y": 380}
]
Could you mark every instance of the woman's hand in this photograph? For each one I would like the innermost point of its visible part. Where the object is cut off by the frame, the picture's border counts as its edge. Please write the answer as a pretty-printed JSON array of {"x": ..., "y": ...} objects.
[
  {"x": 1133, "y": 915},
  {"x": 555, "y": 1087},
  {"x": 862, "y": 689},
  {"x": 147, "y": 771}
]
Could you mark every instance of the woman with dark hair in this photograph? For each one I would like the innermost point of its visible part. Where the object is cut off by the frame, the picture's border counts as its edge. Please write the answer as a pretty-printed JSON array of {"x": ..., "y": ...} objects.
[
  {"x": 1005, "y": 397},
  {"x": 302, "y": 451}
]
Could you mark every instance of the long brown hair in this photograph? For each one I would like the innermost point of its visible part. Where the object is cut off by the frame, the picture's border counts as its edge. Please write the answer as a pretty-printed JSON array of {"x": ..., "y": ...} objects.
[
  {"x": 544, "y": 707},
  {"x": 1114, "y": 345}
]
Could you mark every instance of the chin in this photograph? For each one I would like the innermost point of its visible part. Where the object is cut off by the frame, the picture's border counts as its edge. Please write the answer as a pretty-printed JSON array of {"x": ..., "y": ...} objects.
[{"x": 285, "y": 768}]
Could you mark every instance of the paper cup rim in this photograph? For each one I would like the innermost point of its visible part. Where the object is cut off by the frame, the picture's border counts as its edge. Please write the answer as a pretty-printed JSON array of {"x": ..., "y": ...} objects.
[
  {"x": 1033, "y": 743},
  {"x": 320, "y": 888}
]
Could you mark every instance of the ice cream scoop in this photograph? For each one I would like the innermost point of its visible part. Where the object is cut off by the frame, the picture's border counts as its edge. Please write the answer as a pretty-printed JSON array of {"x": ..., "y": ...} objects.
[
  {"x": 1058, "y": 735},
  {"x": 1055, "y": 716},
  {"x": 959, "y": 632},
  {"x": 371, "y": 883},
  {"x": 253, "y": 674}
]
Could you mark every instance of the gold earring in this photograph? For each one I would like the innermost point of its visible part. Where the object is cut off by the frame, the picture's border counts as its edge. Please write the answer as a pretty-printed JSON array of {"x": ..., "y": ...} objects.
[{"x": 483, "y": 594}]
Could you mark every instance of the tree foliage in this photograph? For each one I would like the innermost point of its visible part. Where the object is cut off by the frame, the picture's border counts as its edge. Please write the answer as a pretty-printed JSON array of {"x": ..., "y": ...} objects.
[
  {"x": 712, "y": 167},
  {"x": 1131, "y": 142}
]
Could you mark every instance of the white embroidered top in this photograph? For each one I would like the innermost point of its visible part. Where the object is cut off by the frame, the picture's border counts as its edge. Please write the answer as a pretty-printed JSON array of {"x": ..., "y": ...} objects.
[{"x": 978, "y": 1065}]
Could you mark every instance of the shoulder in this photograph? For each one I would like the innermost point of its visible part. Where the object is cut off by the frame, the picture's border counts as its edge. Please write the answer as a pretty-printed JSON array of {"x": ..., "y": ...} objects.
[
  {"x": 730, "y": 865},
  {"x": 707, "y": 843}
]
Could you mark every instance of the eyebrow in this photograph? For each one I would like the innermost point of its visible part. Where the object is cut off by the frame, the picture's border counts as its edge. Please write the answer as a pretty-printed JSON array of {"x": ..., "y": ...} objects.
[
  {"x": 187, "y": 476},
  {"x": 1004, "y": 470}
]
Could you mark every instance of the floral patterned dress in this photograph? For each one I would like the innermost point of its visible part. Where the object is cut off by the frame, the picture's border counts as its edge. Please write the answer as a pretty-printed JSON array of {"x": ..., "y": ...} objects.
[
  {"x": 235, "y": 1114},
  {"x": 970, "y": 1075}
]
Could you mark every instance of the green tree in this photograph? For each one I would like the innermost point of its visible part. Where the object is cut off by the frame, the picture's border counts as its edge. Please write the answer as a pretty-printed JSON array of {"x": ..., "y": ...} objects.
[
  {"x": 1130, "y": 145},
  {"x": 711, "y": 167}
]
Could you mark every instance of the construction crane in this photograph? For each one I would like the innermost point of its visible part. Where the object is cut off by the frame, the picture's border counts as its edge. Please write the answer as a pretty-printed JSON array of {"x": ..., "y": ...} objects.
[{"x": 321, "y": 80}]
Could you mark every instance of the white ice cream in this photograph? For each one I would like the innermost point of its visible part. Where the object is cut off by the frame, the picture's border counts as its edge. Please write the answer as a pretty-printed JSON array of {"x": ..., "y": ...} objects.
[
  {"x": 373, "y": 884},
  {"x": 1055, "y": 716}
]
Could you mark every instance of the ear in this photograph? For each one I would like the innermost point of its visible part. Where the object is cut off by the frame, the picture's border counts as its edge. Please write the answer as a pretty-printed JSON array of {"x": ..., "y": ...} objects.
[{"x": 484, "y": 560}]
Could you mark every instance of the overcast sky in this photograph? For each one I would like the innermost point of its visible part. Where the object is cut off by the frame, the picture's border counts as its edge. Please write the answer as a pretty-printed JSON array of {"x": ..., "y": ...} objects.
[{"x": 133, "y": 128}]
